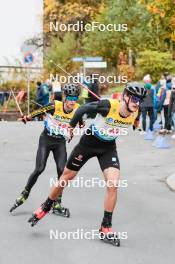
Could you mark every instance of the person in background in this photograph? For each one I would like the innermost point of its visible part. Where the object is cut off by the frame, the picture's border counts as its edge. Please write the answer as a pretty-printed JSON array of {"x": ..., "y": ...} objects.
[
  {"x": 94, "y": 87},
  {"x": 85, "y": 82},
  {"x": 56, "y": 89},
  {"x": 147, "y": 106},
  {"x": 43, "y": 93},
  {"x": 160, "y": 97},
  {"x": 85, "y": 93},
  {"x": 165, "y": 107},
  {"x": 21, "y": 96},
  {"x": 38, "y": 87},
  {"x": 171, "y": 108}
]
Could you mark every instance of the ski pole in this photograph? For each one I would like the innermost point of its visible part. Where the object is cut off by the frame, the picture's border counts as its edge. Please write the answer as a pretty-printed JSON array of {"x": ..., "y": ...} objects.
[
  {"x": 86, "y": 88},
  {"x": 19, "y": 108}
]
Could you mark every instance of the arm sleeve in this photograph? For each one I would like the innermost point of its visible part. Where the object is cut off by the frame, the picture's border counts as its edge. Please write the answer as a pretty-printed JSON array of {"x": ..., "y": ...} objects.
[
  {"x": 100, "y": 107},
  {"x": 50, "y": 108}
]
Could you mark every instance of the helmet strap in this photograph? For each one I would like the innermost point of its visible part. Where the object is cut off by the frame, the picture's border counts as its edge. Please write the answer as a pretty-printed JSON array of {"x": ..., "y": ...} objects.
[{"x": 127, "y": 103}]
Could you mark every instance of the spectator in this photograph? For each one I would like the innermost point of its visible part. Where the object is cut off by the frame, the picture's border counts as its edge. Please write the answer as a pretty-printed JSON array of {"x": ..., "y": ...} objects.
[
  {"x": 165, "y": 107},
  {"x": 160, "y": 90},
  {"x": 38, "y": 87},
  {"x": 43, "y": 93},
  {"x": 94, "y": 87},
  {"x": 56, "y": 89},
  {"x": 171, "y": 109},
  {"x": 85, "y": 93},
  {"x": 21, "y": 96},
  {"x": 147, "y": 106},
  {"x": 2, "y": 98}
]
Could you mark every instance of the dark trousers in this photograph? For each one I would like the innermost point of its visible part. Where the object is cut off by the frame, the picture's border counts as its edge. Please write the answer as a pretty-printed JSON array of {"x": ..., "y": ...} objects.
[
  {"x": 150, "y": 112},
  {"x": 48, "y": 144},
  {"x": 167, "y": 119}
]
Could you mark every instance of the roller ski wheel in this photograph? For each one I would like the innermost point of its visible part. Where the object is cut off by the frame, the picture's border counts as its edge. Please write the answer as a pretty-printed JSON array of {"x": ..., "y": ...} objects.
[
  {"x": 36, "y": 216},
  {"x": 33, "y": 220},
  {"x": 108, "y": 236},
  {"x": 19, "y": 201},
  {"x": 61, "y": 211}
]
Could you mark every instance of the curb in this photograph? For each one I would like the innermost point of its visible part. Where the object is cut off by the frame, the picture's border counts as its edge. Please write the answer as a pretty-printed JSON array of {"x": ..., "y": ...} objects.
[{"x": 170, "y": 181}]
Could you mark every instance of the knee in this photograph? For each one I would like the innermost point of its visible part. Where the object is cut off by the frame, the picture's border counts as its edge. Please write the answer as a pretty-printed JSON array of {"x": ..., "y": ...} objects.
[
  {"x": 69, "y": 174},
  {"x": 113, "y": 180},
  {"x": 112, "y": 185},
  {"x": 59, "y": 171}
]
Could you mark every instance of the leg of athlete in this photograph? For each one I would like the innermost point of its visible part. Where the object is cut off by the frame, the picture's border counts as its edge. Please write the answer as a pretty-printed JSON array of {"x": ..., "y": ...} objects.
[
  {"x": 55, "y": 192},
  {"x": 41, "y": 160},
  {"x": 111, "y": 170},
  {"x": 60, "y": 157},
  {"x": 111, "y": 176},
  {"x": 62, "y": 183},
  {"x": 77, "y": 159}
]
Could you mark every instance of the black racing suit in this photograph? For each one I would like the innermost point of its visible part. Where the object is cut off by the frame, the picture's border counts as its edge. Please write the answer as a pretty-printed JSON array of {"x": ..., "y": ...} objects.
[
  {"x": 91, "y": 146},
  {"x": 47, "y": 143}
]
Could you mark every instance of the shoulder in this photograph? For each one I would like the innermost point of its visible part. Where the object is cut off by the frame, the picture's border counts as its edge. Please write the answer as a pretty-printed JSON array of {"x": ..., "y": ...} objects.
[
  {"x": 104, "y": 103},
  {"x": 56, "y": 102}
]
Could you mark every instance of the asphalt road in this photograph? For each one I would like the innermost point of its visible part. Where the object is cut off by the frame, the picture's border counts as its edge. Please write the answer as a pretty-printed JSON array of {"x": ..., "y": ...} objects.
[{"x": 145, "y": 214}]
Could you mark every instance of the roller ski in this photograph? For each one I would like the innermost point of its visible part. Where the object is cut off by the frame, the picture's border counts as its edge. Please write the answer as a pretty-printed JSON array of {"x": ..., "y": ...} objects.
[
  {"x": 57, "y": 209},
  {"x": 108, "y": 236},
  {"x": 41, "y": 212},
  {"x": 37, "y": 215},
  {"x": 20, "y": 200}
]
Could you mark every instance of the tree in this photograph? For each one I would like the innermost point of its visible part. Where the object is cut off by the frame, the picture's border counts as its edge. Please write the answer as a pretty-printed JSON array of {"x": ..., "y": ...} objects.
[
  {"x": 61, "y": 52},
  {"x": 163, "y": 21},
  {"x": 154, "y": 63},
  {"x": 109, "y": 44},
  {"x": 67, "y": 12}
]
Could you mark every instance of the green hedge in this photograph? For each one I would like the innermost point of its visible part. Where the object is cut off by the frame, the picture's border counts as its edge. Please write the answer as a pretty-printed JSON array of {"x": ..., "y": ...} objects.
[{"x": 154, "y": 63}]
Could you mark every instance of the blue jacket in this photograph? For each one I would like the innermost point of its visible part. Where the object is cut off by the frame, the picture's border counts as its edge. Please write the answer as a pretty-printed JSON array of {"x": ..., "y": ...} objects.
[{"x": 43, "y": 93}]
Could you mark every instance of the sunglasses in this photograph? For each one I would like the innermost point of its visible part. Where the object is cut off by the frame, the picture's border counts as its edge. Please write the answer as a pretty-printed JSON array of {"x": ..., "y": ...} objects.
[
  {"x": 135, "y": 99},
  {"x": 72, "y": 98}
]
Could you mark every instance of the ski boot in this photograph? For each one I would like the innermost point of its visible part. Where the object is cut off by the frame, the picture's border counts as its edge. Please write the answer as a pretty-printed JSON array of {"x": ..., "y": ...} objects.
[
  {"x": 41, "y": 212},
  {"x": 20, "y": 200},
  {"x": 37, "y": 215},
  {"x": 59, "y": 210},
  {"x": 108, "y": 236}
]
